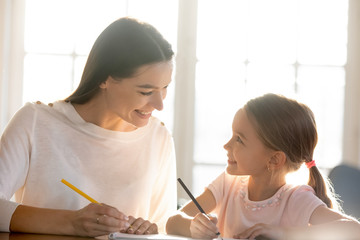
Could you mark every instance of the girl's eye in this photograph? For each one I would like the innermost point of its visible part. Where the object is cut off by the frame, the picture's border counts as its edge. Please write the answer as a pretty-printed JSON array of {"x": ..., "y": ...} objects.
[
  {"x": 146, "y": 93},
  {"x": 239, "y": 139}
]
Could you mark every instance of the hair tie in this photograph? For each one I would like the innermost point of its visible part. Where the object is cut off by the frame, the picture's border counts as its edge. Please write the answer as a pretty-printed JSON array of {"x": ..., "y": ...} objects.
[{"x": 310, "y": 164}]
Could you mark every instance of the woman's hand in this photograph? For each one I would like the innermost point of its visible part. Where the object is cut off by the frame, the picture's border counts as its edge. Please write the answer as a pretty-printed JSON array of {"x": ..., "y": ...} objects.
[
  {"x": 265, "y": 230},
  {"x": 203, "y": 226},
  {"x": 98, "y": 219},
  {"x": 140, "y": 226}
]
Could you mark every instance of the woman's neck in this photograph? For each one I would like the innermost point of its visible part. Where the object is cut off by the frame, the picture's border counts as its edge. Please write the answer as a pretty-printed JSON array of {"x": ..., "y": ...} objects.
[{"x": 94, "y": 113}]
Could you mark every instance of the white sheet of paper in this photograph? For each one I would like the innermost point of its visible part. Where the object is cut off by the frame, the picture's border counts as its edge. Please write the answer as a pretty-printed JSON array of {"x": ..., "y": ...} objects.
[{"x": 118, "y": 235}]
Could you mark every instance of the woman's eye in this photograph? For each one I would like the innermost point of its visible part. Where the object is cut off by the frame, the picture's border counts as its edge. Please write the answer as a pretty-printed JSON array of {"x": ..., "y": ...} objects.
[
  {"x": 239, "y": 139},
  {"x": 146, "y": 93}
]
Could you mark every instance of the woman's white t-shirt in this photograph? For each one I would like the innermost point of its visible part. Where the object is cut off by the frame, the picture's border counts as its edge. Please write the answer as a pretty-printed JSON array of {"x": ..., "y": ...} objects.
[{"x": 132, "y": 171}]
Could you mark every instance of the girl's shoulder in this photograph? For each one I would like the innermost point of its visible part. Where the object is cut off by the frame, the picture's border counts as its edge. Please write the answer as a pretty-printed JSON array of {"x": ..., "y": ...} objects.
[
  {"x": 298, "y": 189},
  {"x": 296, "y": 193}
]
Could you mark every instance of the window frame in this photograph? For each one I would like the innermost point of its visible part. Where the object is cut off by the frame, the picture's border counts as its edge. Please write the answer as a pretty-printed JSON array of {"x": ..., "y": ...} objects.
[{"x": 12, "y": 56}]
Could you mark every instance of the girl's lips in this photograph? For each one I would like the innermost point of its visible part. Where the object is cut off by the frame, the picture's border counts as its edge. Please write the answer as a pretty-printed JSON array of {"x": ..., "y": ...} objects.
[{"x": 231, "y": 162}]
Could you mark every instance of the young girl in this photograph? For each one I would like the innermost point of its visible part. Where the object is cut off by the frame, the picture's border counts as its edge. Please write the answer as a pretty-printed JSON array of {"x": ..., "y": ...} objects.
[{"x": 272, "y": 136}]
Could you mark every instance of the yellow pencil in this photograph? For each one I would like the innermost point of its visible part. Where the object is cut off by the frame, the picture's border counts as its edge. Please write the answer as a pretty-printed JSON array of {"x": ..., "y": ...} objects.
[{"x": 79, "y": 191}]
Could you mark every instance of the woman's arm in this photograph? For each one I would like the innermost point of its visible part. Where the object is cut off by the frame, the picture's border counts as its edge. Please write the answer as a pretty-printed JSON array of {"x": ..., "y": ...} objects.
[
  {"x": 92, "y": 220},
  {"x": 190, "y": 222}
]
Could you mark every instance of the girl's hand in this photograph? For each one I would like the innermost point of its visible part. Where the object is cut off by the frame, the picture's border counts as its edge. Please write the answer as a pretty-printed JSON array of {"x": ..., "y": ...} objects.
[
  {"x": 265, "y": 230},
  {"x": 203, "y": 226},
  {"x": 140, "y": 226},
  {"x": 98, "y": 219}
]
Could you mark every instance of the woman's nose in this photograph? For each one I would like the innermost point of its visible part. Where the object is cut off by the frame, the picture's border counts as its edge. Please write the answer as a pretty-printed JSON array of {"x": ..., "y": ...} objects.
[{"x": 157, "y": 101}]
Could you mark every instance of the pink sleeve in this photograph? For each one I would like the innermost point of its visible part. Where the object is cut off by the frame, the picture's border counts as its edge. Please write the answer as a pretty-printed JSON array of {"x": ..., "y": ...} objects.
[
  {"x": 301, "y": 205},
  {"x": 217, "y": 188}
]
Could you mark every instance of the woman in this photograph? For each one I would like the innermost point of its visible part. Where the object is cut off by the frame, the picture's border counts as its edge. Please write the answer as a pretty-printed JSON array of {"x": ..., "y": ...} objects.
[{"x": 102, "y": 139}]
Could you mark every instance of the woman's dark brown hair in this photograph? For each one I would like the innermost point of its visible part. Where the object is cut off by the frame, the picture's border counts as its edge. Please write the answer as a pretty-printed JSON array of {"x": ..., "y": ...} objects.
[
  {"x": 123, "y": 47},
  {"x": 286, "y": 125}
]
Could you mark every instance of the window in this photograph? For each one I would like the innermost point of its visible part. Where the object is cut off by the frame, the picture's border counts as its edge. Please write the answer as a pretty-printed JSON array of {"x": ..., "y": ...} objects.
[
  {"x": 239, "y": 48},
  {"x": 248, "y": 48},
  {"x": 56, "y": 47}
]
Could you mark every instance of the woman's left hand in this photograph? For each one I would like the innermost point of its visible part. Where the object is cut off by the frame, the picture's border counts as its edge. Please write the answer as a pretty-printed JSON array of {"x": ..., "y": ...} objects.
[
  {"x": 265, "y": 230},
  {"x": 140, "y": 226}
]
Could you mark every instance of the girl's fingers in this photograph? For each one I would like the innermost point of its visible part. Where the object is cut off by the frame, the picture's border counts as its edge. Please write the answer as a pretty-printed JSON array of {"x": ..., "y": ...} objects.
[
  {"x": 213, "y": 218},
  {"x": 207, "y": 222},
  {"x": 246, "y": 234},
  {"x": 270, "y": 231},
  {"x": 200, "y": 231},
  {"x": 202, "y": 227}
]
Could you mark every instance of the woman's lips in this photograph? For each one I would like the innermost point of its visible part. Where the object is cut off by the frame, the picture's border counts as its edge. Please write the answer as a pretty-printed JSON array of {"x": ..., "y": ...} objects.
[{"x": 143, "y": 114}]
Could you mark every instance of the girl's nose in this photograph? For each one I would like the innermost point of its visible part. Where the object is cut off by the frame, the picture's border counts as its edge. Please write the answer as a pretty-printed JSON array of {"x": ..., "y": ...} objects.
[{"x": 226, "y": 146}]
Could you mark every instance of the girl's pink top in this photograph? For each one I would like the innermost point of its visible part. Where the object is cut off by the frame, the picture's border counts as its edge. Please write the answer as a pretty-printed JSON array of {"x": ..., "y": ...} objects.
[{"x": 290, "y": 206}]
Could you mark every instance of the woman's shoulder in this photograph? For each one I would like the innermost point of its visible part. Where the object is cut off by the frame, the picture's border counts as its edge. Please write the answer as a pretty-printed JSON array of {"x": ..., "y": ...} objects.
[
  {"x": 40, "y": 111},
  {"x": 25, "y": 117},
  {"x": 38, "y": 106},
  {"x": 27, "y": 110},
  {"x": 159, "y": 126}
]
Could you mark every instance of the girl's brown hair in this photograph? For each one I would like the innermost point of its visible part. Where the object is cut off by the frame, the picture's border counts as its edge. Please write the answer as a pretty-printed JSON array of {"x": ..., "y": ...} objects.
[{"x": 286, "y": 125}]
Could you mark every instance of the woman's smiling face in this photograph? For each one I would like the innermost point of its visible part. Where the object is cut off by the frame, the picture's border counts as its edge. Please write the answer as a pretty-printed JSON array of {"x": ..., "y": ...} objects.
[{"x": 134, "y": 99}]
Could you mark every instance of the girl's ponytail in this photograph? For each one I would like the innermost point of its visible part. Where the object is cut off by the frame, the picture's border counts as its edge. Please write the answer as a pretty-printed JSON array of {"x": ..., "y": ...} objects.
[
  {"x": 317, "y": 182},
  {"x": 323, "y": 189}
]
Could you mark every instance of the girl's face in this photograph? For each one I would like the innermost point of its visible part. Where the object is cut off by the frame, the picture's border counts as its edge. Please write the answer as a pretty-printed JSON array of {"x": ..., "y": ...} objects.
[
  {"x": 134, "y": 99},
  {"x": 247, "y": 155}
]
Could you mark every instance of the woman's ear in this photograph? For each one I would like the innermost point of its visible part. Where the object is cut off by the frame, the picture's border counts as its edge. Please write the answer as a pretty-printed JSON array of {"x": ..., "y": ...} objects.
[
  {"x": 105, "y": 84},
  {"x": 277, "y": 160}
]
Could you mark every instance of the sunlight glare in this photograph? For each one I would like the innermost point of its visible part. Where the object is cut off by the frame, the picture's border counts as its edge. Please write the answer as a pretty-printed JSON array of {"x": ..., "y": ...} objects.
[{"x": 299, "y": 177}]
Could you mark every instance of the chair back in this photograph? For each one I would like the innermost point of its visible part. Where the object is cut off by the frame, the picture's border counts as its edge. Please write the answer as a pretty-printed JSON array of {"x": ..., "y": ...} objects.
[{"x": 346, "y": 183}]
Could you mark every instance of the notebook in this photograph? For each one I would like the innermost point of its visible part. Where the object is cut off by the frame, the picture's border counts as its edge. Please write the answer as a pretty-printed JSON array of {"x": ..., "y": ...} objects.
[{"x": 118, "y": 235}]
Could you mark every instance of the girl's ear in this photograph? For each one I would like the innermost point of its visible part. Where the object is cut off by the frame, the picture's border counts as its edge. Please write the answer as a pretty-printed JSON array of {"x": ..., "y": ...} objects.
[{"x": 277, "y": 160}]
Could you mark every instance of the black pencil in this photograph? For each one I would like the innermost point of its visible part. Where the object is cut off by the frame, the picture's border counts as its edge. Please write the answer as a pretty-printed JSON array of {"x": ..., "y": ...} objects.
[{"x": 192, "y": 198}]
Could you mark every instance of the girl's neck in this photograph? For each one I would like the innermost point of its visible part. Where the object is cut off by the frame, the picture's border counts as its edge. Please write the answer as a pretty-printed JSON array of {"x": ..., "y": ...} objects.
[{"x": 260, "y": 189}]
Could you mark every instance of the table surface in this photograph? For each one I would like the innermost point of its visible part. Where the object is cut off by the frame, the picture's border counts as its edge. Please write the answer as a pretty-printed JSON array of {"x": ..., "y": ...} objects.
[{"x": 27, "y": 236}]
